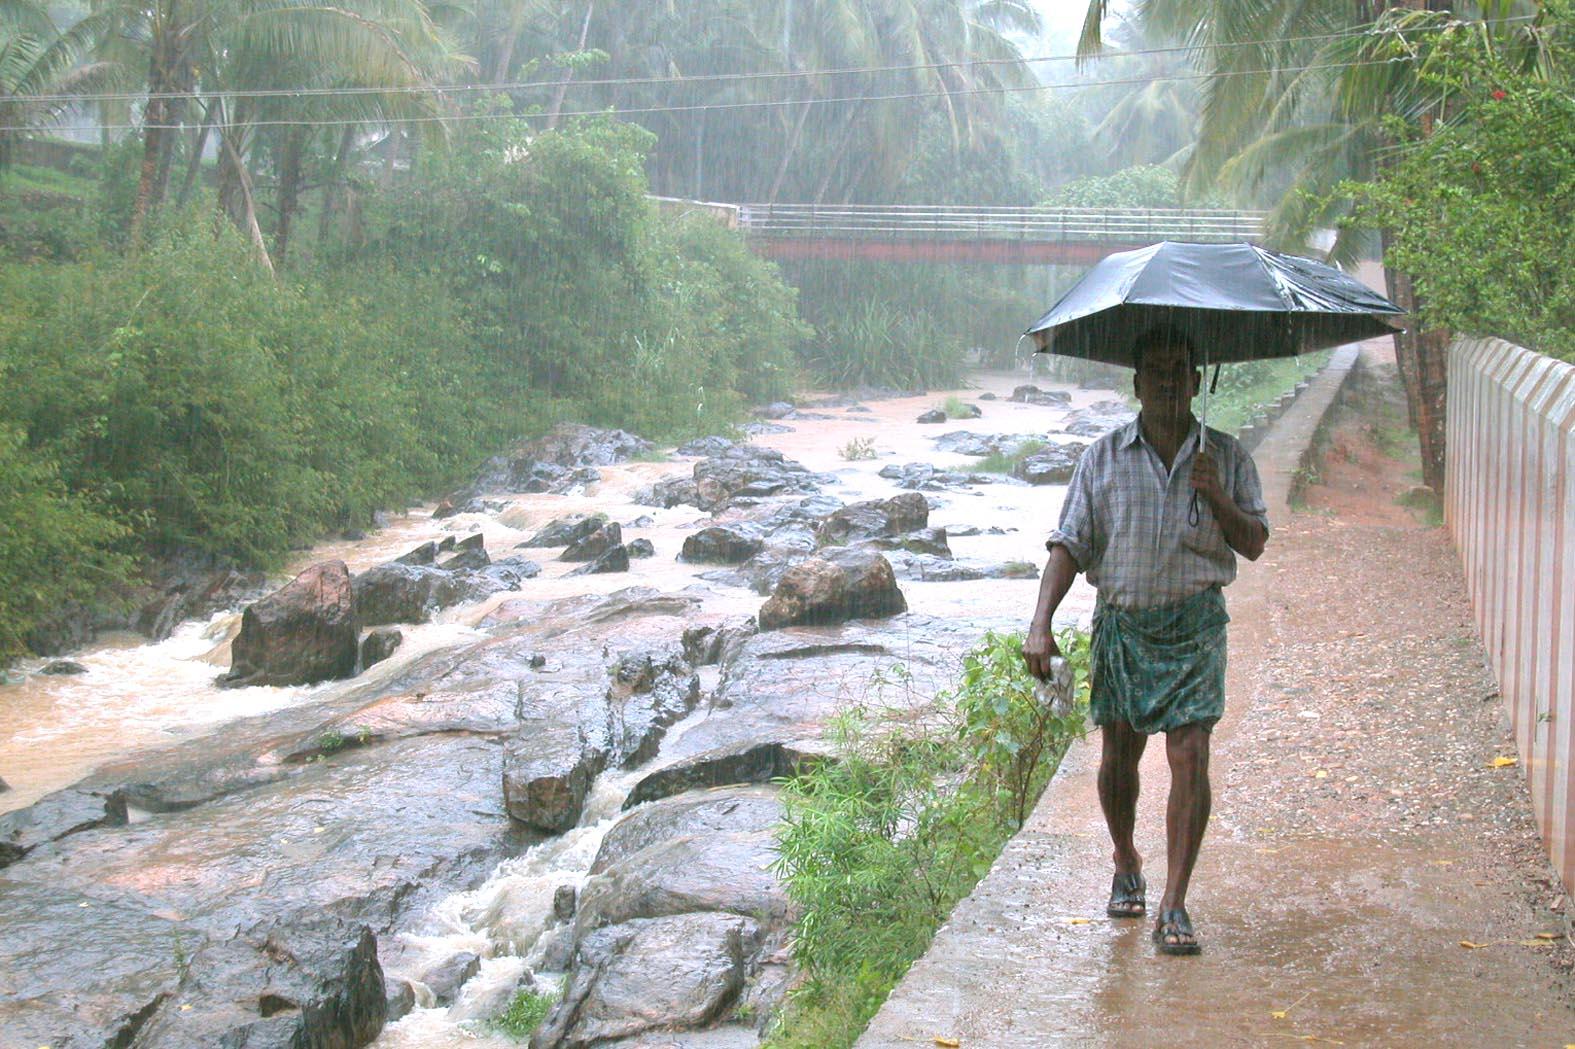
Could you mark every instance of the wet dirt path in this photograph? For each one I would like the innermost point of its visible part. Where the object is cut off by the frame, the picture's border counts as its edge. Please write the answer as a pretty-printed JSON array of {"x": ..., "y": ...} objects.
[{"x": 1371, "y": 877}]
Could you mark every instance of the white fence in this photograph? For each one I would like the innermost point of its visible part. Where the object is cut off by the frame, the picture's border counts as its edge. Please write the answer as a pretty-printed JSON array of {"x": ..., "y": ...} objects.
[{"x": 1510, "y": 506}]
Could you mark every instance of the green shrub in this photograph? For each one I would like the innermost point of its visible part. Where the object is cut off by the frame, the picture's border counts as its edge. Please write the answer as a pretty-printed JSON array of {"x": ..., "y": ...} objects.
[
  {"x": 525, "y": 1012},
  {"x": 877, "y": 847},
  {"x": 1002, "y": 463},
  {"x": 57, "y": 548}
]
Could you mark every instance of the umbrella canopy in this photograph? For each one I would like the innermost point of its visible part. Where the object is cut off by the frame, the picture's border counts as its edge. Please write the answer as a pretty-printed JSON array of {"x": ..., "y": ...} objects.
[{"x": 1238, "y": 302}]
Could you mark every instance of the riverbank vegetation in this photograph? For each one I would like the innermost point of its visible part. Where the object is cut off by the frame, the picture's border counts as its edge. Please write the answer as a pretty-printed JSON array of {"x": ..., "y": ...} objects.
[{"x": 878, "y": 846}]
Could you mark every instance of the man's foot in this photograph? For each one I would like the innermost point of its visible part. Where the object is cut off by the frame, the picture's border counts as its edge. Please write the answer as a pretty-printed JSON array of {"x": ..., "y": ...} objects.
[
  {"x": 1173, "y": 933},
  {"x": 1126, "y": 896}
]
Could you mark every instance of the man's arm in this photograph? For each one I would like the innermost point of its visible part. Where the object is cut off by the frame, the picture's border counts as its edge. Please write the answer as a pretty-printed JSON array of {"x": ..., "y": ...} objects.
[
  {"x": 1040, "y": 647},
  {"x": 1245, "y": 533}
]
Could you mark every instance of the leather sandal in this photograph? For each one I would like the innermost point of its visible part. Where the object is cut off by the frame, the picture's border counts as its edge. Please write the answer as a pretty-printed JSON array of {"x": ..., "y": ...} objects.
[
  {"x": 1175, "y": 922},
  {"x": 1126, "y": 896}
]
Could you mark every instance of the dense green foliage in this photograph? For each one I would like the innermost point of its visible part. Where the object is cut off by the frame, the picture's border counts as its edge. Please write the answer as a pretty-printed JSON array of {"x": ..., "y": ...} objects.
[
  {"x": 876, "y": 848},
  {"x": 1145, "y": 186},
  {"x": 526, "y": 1010},
  {"x": 1482, "y": 212}
]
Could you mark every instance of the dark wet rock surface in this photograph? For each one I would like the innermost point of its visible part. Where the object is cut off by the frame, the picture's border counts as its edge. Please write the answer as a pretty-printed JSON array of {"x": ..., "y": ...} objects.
[
  {"x": 873, "y": 519},
  {"x": 721, "y": 545},
  {"x": 934, "y": 415},
  {"x": 640, "y": 548},
  {"x": 1029, "y": 394},
  {"x": 56, "y": 816},
  {"x": 594, "y": 544},
  {"x": 729, "y": 810},
  {"x": 964, "y": 442},
  {"x": 925, "y": 477},
  {"x": 63, "y": 666},
  {"x": 837, "y": 584},
  {"x": 303, "y": 633},
  {"x": 566, "y": 531},
  {"x": 1051, "y": 465},
  {"x": 1098, "y": 419},
  {"x": 728, "y": 766}
]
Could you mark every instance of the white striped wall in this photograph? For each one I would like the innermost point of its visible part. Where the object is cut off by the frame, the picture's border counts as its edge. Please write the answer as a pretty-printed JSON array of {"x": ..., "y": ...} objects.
[{"x": 1510, "y": 506}]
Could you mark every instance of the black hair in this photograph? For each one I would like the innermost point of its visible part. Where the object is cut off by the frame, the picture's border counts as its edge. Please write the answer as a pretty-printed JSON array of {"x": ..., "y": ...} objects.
[{"x": 1165, "y": 335}]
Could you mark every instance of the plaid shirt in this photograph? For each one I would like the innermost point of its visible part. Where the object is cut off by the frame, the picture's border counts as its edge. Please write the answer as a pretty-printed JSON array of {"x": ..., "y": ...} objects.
[{"x": 1124, "y": 520}]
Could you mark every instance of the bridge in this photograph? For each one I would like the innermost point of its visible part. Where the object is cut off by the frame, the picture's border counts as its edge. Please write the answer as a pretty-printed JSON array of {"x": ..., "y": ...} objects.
[{"x": 958, "y": 233}]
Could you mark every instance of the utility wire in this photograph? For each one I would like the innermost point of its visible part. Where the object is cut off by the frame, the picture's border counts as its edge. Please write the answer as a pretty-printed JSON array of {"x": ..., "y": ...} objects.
[{"x": 711, "y": 78}]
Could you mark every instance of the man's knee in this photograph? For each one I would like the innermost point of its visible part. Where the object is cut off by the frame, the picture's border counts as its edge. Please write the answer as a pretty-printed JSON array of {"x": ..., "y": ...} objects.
[{"x": 1188, "y": 747}]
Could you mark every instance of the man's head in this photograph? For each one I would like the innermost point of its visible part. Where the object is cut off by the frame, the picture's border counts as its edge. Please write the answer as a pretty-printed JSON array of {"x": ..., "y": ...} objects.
[{"x": 1167, "y": 377}]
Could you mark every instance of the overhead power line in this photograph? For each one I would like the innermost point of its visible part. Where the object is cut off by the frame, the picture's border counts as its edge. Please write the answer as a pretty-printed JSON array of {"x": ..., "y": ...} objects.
[
  {"x": 723, "y": 106},
  {"x": 714, "y": 78}
]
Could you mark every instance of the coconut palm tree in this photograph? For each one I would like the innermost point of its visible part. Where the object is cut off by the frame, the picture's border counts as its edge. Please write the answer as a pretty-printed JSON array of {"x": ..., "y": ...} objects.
[{"x": 40, "y": 68}]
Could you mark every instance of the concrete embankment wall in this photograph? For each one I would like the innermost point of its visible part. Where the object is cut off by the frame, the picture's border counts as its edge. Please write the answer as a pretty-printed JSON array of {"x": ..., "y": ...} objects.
[{"x": 1510, "y": 507}]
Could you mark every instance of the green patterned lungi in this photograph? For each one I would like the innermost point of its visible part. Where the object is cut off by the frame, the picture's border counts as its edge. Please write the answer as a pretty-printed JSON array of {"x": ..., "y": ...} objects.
[{"x": 1160, "y": 668}]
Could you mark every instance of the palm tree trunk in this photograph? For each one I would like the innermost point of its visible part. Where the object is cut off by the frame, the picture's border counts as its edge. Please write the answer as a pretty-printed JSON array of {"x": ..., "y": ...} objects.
[
  {"x": 837, "y": 152},
  {"x": 194, "y": 164},
  {"x": 788, "y": 152},
  {"x": 289, "y": 187},
  {"x": 334, "y": 192},
  {"x": 235, "y": 190}
]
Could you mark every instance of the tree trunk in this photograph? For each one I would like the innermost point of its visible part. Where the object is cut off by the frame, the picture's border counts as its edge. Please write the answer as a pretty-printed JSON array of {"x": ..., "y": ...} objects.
[
  {"x": 788, "y": 152},
  {"x": 289, "y": 187},
  {"x": 334, "y": 192},
  {"x": 194, "y": 164},
  {"x": 833, "y": 161},
  {"x": 568, "y": 74},
  {"x": 163, "y": 57},
  {"x": 235, "y": 190}
]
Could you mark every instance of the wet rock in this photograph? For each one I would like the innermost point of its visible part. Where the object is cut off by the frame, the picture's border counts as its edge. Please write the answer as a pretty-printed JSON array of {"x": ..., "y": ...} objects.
[
  {"x": 65, "y": 629},
  {"x": 470, "y": 552},
  {"x": 1098, "y": 419},
  {"x": 673, "y": 491},
  {"x": 378, "y": 645},
  {"x": 593, "y": 545},
  {"x": 195, "y": 592},
  {"x": 873, "y": 519},
  {"x": 398, "y": 999},
  {"x": 643, "y": 521},
  {"x": 1052, "y": 465},
  {"x": 425, "y": 554},
  {"x": 962, "y": 442},
  {"x": 923, "y": 476},
  {"x": 930, "y": 541},
  {"x": 987, "y": 396},
  {"x": 934, "y": 415},
  {"x": 792, "y": 526},
  {"x": 931, "y": 569},
  {"x": 573, "y": 444},
  {"x": 1028, "y": 394},
  {"x": 63, "y": 666},
  {"x": 704, "y": 447},
  {"x": 734, "y": 810},
  {"x": 303, "y": 633},
  {"x": 547, "y": 770},
  {"x": 660, "y": 974},
  {"x": 277, "y": 985},
  {"x": 751, "y": 472},
  {"x": 445, "y": 508},
  {"x": 640, "y": 548},
  {"x": 756, "y": 429},
  {"x": 564, "y": 898},
  {"x": 860, "y": 408},
  {"x": 405, "y": 593},
  {"x": 775, "y": 410},
  {"x": 765, "y": 570},
  {"x": 521, "y": 473},
  {"x": 446, "y": 977},
  {"x": 840, "y": 583},
  {"x": 709, "y": 872},
  {"x": 4, "y": 786},
  {"x": 566, "y": 531},
  {"x": 709, "y": 645},
  {"x": 721, "y": 545},
  {"x": 615, "y": 559},
  {"x": 508, "y": 571},
  {"x": 57, "y": 815},
  {"x": 650, "y": 690},
  {"x": 728, "y": 765}
]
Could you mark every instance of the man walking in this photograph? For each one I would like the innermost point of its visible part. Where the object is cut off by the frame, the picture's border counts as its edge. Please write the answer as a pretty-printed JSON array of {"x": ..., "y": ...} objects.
[{"x": 1155, "y": 523}]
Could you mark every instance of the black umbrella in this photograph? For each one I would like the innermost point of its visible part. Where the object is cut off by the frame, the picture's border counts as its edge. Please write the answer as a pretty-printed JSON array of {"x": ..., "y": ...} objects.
[{"x": 1238, "y": 302}]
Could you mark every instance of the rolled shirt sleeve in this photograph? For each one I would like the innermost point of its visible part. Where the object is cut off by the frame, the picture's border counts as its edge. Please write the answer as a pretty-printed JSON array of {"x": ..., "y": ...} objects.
[{"x": 1078, "y": 529}]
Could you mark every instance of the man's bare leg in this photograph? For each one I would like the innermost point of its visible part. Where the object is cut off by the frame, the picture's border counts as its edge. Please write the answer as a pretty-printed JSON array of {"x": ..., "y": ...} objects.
[
  {"x": 1186, "y": 813},
  {"x": 1122, "y": 749}
]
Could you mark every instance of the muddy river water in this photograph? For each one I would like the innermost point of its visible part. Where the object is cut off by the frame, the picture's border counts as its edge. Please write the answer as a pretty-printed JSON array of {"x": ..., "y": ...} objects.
[{"x": 136, "y": 696}]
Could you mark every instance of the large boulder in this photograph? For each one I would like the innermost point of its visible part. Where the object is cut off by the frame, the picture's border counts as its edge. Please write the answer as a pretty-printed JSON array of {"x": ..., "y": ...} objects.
[
  {"x": 573, "y": 444},
  {"x": 874, "y": 519},
  {"x": 303, "y": 633},
  {"x": 403, "y": 593},
  {"x": 704, "y": 447},
  {"x": 650, "y": 689},
  {"x": 728, "y": 765},
  {"x": 614, "y": 559},
  {"x": 566, "y": 531},
  {"x": 594, "y": 544},
  {"x": 659, "y": 974},
  {"x": 378, "y": 645},
  {"x": 547, "y": 771},
  {"x": 732, "y": 810},
  {"x": 699, "y": 872},
  {"x": 57, "y": 815},
  {"x": 1051, "y": 465},
  {"x": 925, "y": 477},
  {"x": 840, "y": 583},
  {"x": 670, "y": 492},
  {"x": 748, "y": 471},
  {"x": 721, "y": 545},
  {"x": 1027, "y": 394},
  {"x": 962, "y": 442},
  {"x": 1098, "y": 419}
]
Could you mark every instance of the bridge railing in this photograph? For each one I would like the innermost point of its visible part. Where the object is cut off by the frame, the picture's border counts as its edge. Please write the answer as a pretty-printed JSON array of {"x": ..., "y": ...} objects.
[{"x": 1137, "y": 225}]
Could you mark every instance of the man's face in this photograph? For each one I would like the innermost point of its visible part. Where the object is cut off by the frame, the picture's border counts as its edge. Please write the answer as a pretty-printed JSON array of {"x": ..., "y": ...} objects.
[{"x": 1165, "y": 382}]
